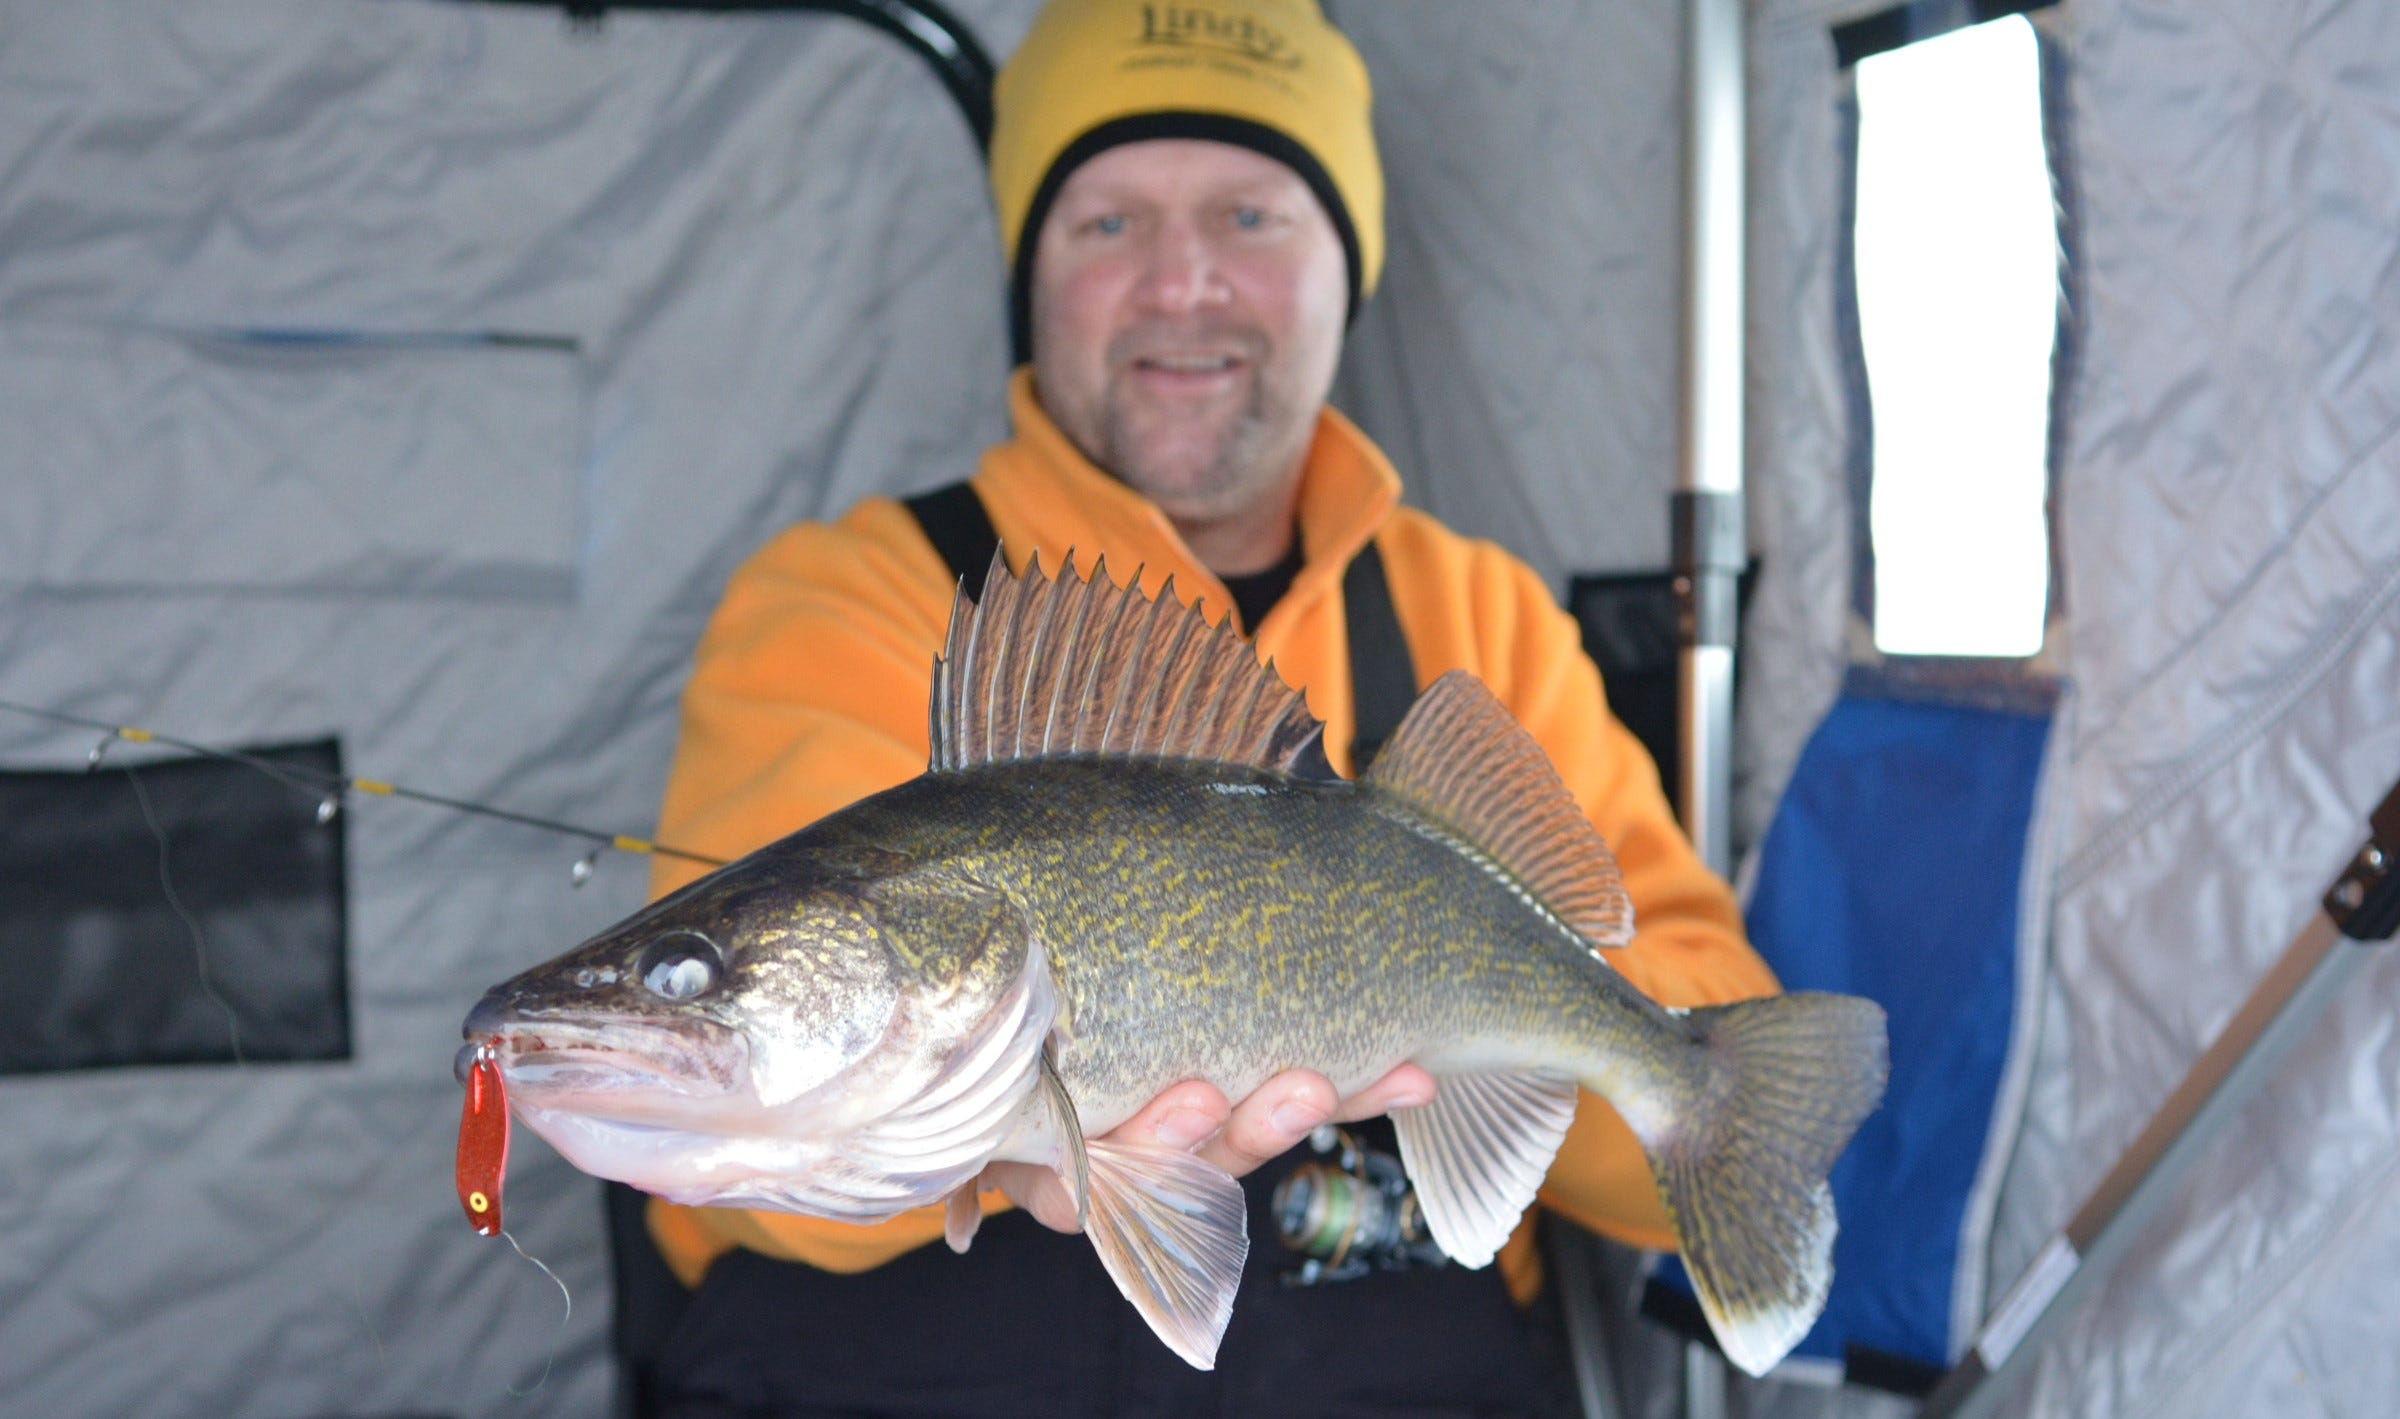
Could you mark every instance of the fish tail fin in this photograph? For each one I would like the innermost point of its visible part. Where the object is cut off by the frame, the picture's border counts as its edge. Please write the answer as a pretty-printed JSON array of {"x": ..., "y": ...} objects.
[{"x": 1745, "y": 1178}]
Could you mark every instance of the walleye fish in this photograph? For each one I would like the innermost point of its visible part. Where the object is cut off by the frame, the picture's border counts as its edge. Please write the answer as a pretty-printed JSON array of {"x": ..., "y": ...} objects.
[{"x": 1110, "y": 880}]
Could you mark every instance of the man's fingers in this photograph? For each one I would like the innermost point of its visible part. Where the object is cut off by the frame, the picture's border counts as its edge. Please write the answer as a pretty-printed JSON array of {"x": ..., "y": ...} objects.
[
  {"x": 1180, "y": 1117},
  {"x": 1406, "y": 1087},
  {"x": 1285, "y": 1109},
  {"x": 1038, "y": 1190},
  {"x": 1236, "y": 1137},
  {"x": 1269, "y": 1123}
]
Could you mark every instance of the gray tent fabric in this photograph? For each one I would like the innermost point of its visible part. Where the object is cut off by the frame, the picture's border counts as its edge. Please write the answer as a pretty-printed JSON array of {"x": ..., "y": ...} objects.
[
  {"x": 2229, "y": 538},
  {"x": 1517, "y": 363},
  {"x": 483, "y": 502},
  {"x": 2232, "y": 551},
  {"x": 415, "y": 372}
]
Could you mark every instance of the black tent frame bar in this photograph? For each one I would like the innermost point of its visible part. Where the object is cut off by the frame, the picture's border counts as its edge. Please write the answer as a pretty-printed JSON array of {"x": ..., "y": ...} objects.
[
  {"x": 957, "y": 58},
  {"x": 1905, "y": 24},
  {"x": 2360, "y": 908}
]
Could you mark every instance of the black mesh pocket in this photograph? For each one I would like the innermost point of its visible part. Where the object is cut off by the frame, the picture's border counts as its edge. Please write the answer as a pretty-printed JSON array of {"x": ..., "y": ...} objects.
[{"x": 181, "y": 912}]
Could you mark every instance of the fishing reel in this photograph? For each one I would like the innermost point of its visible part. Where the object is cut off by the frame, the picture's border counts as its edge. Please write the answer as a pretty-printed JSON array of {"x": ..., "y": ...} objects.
[{"x": 1352, "y": 1215}]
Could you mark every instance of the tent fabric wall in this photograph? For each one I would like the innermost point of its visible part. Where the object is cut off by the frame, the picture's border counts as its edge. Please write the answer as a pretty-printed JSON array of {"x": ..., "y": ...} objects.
[
  {"x": 1795, "y": 633},
  {"x": 758, "y": 268},
  {"x": 2231, "y": 505},
  {"x": 2229, "y": 537},
  {"x": 416, "y": 371},
  {"x": 1517, "y": 362}
]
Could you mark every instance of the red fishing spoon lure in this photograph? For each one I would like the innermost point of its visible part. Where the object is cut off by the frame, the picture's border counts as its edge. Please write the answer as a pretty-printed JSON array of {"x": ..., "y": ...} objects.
[{"x": 483, "y": 1144}]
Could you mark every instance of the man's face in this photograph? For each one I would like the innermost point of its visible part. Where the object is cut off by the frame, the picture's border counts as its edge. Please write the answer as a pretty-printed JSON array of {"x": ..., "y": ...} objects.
[{"x": 1188, "y": 303}]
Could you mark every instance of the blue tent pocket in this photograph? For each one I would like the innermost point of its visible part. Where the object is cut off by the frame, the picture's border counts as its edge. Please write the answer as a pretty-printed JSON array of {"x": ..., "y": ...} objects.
[{"x": 1894, "y": 869}]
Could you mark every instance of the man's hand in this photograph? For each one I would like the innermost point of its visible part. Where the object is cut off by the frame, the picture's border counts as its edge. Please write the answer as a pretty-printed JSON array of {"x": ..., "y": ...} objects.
[{"x": 1235, "y": 1137}]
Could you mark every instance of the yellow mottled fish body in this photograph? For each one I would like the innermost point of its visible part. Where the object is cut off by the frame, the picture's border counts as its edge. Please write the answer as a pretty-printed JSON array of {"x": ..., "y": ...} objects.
[{"x": 1114, "y": 876}]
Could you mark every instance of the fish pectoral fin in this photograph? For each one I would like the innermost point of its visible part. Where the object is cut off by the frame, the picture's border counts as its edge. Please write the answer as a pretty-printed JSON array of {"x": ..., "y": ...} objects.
[
  {"x": 1478, "y": 1153},
  {"x": 1171, "y": 1230},
  {"x": 1076, "y": 1169},
  {"x": 962, "y": 1215}
]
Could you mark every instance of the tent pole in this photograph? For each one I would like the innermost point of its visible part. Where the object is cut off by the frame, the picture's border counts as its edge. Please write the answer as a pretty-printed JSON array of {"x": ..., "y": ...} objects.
[
  {"x": 2361, "y": 908},
  {"x": 1709, "y": 544}
]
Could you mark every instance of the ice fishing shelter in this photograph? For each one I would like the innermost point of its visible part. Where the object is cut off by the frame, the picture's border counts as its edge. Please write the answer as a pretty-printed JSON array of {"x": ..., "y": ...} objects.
[{"x": 409, "y": 374}]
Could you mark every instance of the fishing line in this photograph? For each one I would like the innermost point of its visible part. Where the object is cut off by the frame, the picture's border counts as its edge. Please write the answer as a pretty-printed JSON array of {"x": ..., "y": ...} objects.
[
  {"x": 233, "y": 1022},
  {"x": 329, "y": 788},
  {"x": 563, "y": 1321},
  {"x": 383, "y": 1359},
  {"x": 166, "y": 882},
  {"x": 334, "y": 785}
]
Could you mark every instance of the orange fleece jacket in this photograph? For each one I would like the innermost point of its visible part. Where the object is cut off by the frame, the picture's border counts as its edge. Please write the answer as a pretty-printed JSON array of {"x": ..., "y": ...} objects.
[{"x": 810, "y": 690}]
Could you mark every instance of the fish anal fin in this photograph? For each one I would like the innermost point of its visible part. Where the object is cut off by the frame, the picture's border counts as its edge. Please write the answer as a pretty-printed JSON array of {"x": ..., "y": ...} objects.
[
  {"x": 1054, "y": 664},
  {"x": 1461, "y": 760},
  {"x": 1171, "y": 1230},
  {"x": 1477, "y": 1154}
]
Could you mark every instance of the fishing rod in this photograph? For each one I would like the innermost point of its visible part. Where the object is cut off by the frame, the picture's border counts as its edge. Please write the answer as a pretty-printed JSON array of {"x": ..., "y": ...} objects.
[{"x": 332, "y": 786}]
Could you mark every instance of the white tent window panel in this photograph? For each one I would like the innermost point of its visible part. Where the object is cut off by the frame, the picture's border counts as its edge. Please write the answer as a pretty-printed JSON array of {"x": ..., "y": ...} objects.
[{"x": 1956, "y": 255}]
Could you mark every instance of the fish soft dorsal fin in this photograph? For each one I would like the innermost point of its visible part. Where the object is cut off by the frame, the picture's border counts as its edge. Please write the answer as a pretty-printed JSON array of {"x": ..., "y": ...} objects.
[
  {"x": 1046, "y": 666},
  {"x": 1462, "y": 760}
]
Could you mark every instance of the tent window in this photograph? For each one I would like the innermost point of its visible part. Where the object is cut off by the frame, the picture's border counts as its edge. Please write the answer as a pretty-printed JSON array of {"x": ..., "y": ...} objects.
[{"x": 1956, "y": 265}]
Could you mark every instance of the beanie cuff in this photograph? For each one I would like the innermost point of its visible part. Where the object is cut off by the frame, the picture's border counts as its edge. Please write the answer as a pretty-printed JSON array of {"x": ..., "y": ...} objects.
[{"x": 1172, "y": 123}]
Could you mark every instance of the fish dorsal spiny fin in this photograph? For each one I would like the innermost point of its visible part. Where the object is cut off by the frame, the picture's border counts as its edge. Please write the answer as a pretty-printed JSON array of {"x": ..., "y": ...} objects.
[
  {"x": 1046, "y": 666},
  {"x": 1462, "y": 761}
]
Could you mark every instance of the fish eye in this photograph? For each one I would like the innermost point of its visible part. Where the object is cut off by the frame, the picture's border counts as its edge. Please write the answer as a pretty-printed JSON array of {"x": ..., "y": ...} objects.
[{"x": 681, "y": 965}]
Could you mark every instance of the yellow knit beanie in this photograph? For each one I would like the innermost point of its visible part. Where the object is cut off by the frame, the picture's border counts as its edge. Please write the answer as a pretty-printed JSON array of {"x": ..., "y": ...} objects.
[{"x": 1272, "y": 75}]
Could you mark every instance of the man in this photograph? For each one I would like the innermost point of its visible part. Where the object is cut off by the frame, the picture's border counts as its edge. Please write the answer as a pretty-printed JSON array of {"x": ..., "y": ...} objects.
[{"x": 1191, "y": 203}]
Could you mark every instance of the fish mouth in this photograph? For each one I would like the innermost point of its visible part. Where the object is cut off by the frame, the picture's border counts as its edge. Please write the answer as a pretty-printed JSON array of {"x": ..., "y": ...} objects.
[{"x": 606, "y": 1066}]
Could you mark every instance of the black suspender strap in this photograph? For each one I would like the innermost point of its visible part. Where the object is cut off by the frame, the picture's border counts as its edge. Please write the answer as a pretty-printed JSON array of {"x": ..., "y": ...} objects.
[
  {"x": 960, "y": 528},
  {"x": 1383, "y": 676}
]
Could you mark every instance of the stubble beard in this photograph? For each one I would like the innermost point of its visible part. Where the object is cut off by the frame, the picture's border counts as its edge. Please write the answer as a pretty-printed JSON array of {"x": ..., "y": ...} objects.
[{"x": 1201, "y": 474}]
